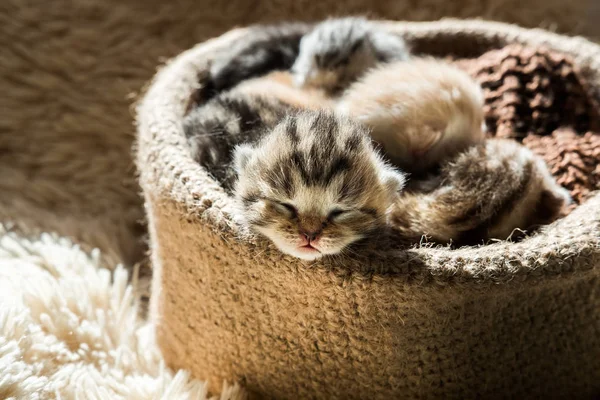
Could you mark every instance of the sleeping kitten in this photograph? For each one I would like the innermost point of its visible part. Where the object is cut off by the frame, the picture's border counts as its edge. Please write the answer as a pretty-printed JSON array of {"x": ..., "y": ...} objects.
[
  {"x": 337, "y": 51},
  {"x": 314, "y": 185},
  {"x": 487, "y": 192},
  {"x": 421, "y": 111},
  {"x": 309, "y": 181}
]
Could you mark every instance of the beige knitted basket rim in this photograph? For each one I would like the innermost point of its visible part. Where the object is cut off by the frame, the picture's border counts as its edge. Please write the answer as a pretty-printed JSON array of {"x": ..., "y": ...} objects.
[{"x": 168, "y": 173}]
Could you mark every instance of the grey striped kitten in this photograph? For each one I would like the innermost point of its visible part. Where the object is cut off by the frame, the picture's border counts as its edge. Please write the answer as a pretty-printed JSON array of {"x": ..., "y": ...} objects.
[
  {"x": 330, "y": 54},
  {"x": 338, "y": 51},
  {"x": 309, "y": 181}
]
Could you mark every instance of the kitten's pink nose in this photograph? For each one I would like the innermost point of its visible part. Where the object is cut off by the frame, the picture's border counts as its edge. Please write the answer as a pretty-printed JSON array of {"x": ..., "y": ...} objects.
[{"x": 310, "y": 236}]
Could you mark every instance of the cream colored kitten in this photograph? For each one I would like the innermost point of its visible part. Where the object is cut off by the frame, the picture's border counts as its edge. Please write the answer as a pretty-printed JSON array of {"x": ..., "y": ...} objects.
[{"x": 421, "y": 111}]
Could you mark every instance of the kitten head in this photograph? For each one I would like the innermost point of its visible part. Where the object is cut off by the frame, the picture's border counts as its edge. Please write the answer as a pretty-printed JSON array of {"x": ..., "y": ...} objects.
[
  {"x": 314, "y": 185},
  {"x": 336, "y": 52}
]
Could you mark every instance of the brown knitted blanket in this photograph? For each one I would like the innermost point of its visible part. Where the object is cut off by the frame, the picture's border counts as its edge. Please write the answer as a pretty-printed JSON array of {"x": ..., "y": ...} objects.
[{"x": 540, "y": 98}]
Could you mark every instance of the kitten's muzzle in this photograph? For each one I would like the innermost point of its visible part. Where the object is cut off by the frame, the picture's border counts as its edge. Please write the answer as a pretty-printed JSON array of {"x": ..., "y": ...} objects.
[{"x": 310, "y": 227}]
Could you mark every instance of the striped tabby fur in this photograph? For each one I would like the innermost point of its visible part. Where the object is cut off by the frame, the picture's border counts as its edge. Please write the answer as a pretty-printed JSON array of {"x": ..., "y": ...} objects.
[
  {"x": 494, "y": 190},
  {"x": 310, "y": 181}
]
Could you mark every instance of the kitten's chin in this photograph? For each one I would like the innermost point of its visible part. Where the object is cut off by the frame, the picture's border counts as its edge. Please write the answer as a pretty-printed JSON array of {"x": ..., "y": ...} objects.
[
  {"x": 303, "y": 253},
  {"x": 308, "y": 253}
]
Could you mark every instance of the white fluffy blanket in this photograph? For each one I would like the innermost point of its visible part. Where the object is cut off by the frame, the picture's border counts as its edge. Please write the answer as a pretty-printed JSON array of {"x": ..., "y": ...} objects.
[{"x": 69, "y": 329}]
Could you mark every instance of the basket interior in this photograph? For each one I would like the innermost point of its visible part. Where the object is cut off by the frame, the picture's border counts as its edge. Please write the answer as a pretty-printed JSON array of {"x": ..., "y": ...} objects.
[
  {"x": 171, "y": 178},
  {"x": 536, "y": 95}
]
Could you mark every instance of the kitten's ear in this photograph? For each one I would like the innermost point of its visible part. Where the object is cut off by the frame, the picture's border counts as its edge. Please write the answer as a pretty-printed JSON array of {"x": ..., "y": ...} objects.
[
  {"x": 394, "y": 181},
  {"x": 241, "y": 156}
]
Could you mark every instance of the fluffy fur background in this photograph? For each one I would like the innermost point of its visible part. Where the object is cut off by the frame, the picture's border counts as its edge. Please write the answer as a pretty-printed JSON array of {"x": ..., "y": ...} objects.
[
  {"x": 69, "y": 329},
  {"x": 68, "y": 75}
]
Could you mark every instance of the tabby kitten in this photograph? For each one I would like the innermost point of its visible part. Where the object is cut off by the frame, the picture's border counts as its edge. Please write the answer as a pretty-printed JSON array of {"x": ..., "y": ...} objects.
[
  {"x": 309, "y": 181},
  {"x": 337, "y": 51},
  {"x": 314, "y": 184},
  {"x": 490, "y": 191}
]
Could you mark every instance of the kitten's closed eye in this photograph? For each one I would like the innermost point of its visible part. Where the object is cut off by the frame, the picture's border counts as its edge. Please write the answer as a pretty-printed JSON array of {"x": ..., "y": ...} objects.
[
  {"x": 356, "y": 45},
  {"x": 329, "y": 60},
  {"x": 340, "y": 215},
  {"x": 333, "y": 214},
  {"x": 285, "y": 208}
]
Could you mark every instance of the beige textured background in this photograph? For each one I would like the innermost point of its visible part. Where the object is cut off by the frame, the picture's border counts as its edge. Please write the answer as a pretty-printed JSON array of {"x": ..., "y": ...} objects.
[{"x": 70, "y": 71}]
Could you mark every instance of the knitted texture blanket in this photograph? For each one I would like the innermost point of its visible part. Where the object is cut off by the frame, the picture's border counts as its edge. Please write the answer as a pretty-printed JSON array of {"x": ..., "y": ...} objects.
[{"x": 540, "y": 98}]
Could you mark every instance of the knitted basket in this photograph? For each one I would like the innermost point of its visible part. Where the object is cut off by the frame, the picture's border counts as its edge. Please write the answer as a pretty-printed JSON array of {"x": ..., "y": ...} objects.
[{"x": 502, "y": 320}]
